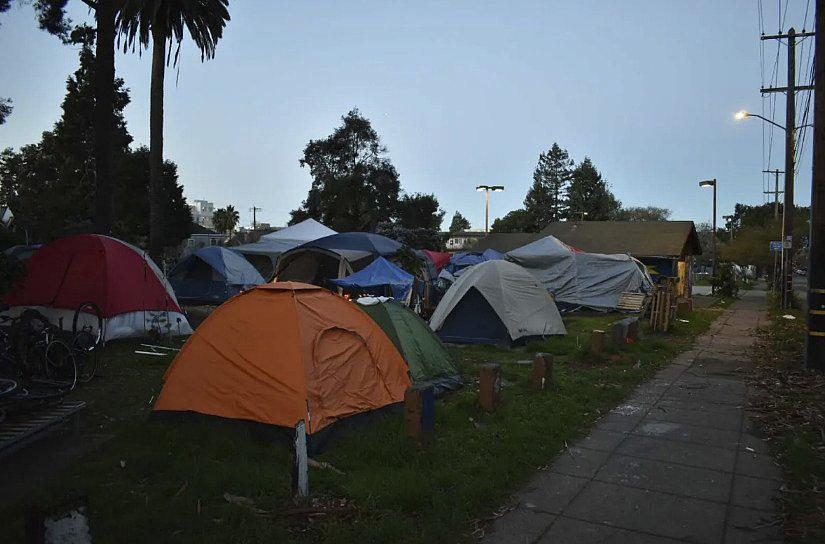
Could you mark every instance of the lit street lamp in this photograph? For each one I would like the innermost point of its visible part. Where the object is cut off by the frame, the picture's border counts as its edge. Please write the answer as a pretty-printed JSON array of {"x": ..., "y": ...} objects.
[
  {"x": 744, "y": 114},
  {"x": 487, "y": 189},
  {"x": 712, "y": 183}
]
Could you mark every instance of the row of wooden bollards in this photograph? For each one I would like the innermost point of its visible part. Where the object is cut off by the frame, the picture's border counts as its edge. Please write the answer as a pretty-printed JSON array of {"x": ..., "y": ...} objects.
[
  {"x": 419, "y": 412},
  {"x": 623, "y": 331},
  {"x": 419, "y": 401}
]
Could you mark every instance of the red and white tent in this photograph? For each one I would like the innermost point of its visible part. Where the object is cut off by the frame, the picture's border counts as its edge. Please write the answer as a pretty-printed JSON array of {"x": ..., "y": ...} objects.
[{"x": 122, "y": 280}]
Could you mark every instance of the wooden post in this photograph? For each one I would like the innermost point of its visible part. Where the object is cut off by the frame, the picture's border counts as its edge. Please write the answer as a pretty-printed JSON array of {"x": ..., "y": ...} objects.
[
  {"x": 542, "y": 376},
  {"x": 300, "y": 475},
  {"x": 633, "y": 330},
  {"x": 596, "y": 343},
  {"x": 489, "y": 386},
  {"x": 419, "y": 412},
  {"x": 618, "y": 332}
]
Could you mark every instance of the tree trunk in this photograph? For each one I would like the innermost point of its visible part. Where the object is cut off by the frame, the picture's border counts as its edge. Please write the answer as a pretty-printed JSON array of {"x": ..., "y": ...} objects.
[
  {"x": 104, "y": 86},
  {"x": 156, "y": 238}
]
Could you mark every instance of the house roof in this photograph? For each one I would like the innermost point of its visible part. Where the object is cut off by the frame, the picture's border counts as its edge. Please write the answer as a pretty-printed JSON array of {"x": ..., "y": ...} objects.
[
  {"x": 200, "y": 229},
  {"x": 638, "y": 238},
  {"x": 506, "y": 241}
]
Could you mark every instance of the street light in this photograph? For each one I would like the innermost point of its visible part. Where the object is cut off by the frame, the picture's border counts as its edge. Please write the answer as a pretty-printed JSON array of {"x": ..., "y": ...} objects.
[
  {"x": 744, "y": 114},
  {"x": 712, "y": 183},
  {"x": 486, "y": 189}
]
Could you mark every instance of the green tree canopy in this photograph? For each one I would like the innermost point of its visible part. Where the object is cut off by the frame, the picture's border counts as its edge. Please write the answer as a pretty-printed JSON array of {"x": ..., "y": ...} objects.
[
  {"x": 546, "y": 201},
  {"x": 515, "y": 221},
  {"x": 50, "y": 186},
  {"x": 419, "y": 211},
  {"x": 354, "y": 184},
  {"x": 589, "y": 196},
  {"x": 459, "y": 223},
  {"x": 643, "y": 213},
  {"x": 226, "y": 219}
]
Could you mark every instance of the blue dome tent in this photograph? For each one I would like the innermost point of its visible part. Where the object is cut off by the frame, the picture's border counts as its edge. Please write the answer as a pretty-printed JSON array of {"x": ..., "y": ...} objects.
[
  {"x": 211, "y": 275},
  {"x": 379, "y": 278}
]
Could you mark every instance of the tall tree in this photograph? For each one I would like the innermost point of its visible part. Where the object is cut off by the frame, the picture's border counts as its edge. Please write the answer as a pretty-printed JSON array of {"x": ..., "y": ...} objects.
[
  {"x": 162, "y": 22},
  {"x": 515, "y": 221},
  {"x": 459, "y": 223},
  {"x": 5, "y": 109},
  {"x": 354, "y": 185},
  {"x": 225, "y": 219},
  {"x": 589, "y": 196},
  {"x": 546, "y": 200},
  {"x": 51, "y": 17},
  {"x": 50, "y": 186},
  {"x": 643, "y": 213},
  {"x": 419, "y": 211}
]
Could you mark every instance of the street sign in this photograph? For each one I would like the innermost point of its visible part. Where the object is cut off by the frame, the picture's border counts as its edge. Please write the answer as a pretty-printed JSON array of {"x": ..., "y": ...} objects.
[{"x": 776, "y": 245}]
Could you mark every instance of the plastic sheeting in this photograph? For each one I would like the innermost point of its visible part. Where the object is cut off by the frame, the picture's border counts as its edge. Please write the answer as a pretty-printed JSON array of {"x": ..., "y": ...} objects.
[
  {"x": 576, "y": 278},
  {"x": 524, "y": 308}
]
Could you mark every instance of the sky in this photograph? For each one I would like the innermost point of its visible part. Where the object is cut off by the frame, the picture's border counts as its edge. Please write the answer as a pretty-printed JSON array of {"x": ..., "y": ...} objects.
[{"x": 461, "y": 93}]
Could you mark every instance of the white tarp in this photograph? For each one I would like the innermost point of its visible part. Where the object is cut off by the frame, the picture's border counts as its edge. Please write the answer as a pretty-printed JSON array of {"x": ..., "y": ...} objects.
[
  {"x": 524, "y": 308},
  {"x": 275, "y": 243},
  {"x": 593, "y": 280}
]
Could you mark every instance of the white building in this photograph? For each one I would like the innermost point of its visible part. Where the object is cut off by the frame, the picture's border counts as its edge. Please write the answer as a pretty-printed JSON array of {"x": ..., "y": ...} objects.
[{"x": 202, "y": 211}]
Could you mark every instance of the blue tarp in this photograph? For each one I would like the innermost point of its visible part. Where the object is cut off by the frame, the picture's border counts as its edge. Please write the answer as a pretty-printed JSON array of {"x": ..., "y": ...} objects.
[
  {"x": 376, "y": 277},
  {"x": 212, "y": 275}
]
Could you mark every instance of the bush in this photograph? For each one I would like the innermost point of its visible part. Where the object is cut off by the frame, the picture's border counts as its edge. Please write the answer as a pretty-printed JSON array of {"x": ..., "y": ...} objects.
[{"x": 725, "y": 282}]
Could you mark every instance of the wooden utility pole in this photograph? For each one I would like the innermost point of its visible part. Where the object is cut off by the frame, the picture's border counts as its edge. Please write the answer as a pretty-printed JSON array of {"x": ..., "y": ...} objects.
[
  {"x": 815, "y": 352},
  {"x": 255, "y": 211},
  {"x": 790, "y": 149},
  {"x": 776, "y": 192}
]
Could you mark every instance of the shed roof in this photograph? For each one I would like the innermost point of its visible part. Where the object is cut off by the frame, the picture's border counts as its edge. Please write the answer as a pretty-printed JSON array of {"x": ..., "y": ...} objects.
[{"x": 638, "y": 238}]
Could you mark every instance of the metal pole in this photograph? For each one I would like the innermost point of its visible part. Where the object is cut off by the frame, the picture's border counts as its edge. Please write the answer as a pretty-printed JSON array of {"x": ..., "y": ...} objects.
[
  {"x": 487, "y": 210},
  {"x": 790, "y": 142},
  {"x": 815, "y": 345},
  {"x": 714, "y": 227}
]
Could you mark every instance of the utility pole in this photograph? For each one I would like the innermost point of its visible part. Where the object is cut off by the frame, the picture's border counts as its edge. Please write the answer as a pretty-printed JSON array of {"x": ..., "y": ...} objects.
[
  {"x": 790, "y": 149},
  {"x": 815, "y": 345},
  {"x": 254, "y": 211},
  {"x": 776, "y": 192}
]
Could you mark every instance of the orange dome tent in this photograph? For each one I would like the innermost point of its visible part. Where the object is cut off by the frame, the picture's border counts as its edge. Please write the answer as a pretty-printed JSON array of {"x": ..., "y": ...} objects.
[{"x": 283, "y": 352}]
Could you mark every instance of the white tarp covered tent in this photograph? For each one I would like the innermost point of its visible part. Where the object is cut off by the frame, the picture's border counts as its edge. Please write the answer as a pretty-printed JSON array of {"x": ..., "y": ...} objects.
[
  {"x": 576, "y": 278},
  {"x": 273, "y": 244},
  {"x": 495, "y": 302}
]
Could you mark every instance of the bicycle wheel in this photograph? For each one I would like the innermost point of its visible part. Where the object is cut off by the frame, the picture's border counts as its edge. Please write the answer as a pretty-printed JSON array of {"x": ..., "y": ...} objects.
[
  {"x": 87, "y": 355},
  {"x": 60, "y": 366},
  {"x": 8, "y": 386},
  {"x": 93, "y": 310}
]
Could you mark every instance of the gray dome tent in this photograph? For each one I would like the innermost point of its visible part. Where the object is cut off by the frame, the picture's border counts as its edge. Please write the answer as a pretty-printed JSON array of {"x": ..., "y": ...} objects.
[{"x": 495, "y": 302}]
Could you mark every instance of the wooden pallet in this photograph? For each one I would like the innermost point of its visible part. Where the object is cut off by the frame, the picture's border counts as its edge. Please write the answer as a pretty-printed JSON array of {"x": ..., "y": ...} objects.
[
  {"x": 18, "y": 431},
  {"x": 632, "y": 302}
]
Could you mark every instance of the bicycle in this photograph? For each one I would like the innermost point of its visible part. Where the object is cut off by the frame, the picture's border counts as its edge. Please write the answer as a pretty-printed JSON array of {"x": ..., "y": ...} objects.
[{"x": 87, "y": 340}]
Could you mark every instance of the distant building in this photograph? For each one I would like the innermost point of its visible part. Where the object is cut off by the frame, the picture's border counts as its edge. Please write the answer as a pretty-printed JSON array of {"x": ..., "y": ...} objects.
[
  {"x": 202, "y": 211},
  {"x": 199, "y": 238},
  {"x": 458, "y": 241}
]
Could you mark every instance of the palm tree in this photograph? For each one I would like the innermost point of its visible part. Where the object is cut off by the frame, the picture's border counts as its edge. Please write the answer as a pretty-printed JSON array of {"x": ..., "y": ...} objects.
[
  {"x": 226, "y": 219},
  {"x": 232, "y": 218},
  {"x": 162, "y": 22}
]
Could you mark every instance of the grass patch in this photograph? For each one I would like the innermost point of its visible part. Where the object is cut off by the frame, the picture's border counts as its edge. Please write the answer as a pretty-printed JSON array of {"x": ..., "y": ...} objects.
[
  {"x": 161, "y": 478},
  {"x": 791, "y": 413}
]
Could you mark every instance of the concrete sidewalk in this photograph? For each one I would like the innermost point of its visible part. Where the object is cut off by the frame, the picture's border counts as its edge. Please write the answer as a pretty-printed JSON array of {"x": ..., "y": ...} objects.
[{"x": 675, "y": 463}]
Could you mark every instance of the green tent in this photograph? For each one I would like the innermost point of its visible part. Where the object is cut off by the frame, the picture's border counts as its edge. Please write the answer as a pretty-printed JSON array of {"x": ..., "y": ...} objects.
[{"x": 427, "y": 358}]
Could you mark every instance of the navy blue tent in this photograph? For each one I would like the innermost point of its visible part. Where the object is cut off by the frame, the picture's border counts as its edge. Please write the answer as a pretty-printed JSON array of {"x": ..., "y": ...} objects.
[
  {"x": 465, "y": 259},
  {"x": 211, "y": 275},
  {"x": 333, "y": 256},
  {"x": 365, "y": 242},
  {"x": 376, "y": 278}
]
